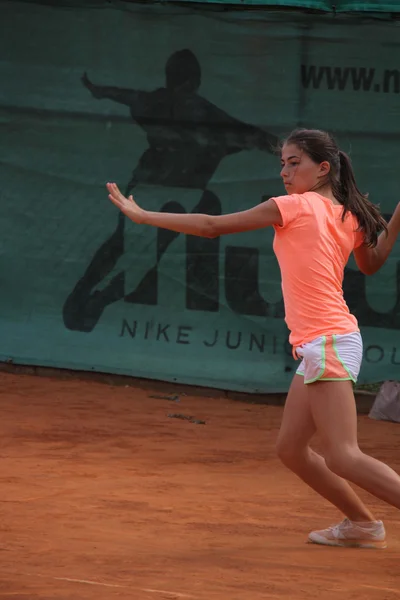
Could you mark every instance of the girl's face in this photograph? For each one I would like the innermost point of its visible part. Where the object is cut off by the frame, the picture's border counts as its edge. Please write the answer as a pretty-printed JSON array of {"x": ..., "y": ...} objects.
[{"x": 300, "y": 174}]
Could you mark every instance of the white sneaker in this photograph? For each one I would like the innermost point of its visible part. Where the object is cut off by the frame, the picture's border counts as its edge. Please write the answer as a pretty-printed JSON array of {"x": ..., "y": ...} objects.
[{"x": 350, "y": 534}]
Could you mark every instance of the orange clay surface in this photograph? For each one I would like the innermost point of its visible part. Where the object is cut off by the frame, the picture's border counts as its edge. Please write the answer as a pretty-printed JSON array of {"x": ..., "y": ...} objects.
[{"x": 104, "y": 496}]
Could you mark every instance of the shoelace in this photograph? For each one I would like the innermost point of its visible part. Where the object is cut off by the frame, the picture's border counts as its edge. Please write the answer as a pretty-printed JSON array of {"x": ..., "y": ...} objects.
[{"x": 336, "y": 529}]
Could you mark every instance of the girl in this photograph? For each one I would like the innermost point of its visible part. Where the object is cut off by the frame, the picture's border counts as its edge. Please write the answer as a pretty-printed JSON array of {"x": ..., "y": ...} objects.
[{"x": 317, "y": 225}]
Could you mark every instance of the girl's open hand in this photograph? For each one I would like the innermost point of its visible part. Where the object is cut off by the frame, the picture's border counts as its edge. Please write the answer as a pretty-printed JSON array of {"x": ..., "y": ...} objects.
[{"x": 126, "y": 205}]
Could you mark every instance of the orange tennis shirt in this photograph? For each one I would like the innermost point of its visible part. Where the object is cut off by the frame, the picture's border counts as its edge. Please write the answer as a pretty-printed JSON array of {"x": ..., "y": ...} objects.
[{"x": 313, "y": 246}]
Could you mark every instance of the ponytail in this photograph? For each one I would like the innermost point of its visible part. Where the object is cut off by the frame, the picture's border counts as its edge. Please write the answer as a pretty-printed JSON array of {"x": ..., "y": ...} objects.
[
  {"x": 370, "y": 220},
  {"x": 320, "y": 146}
]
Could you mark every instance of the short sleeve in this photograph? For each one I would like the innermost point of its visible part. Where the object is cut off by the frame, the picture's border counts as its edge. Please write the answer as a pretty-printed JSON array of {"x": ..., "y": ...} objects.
[{"x": 289, "y": 207}]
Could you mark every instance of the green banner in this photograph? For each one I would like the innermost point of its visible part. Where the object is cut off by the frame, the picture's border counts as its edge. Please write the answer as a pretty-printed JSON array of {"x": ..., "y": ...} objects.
[
  {"x": 368, "y": 6},
  {"x": 179, "y": 107},
  {"x": 371, "y": 6},
  {"x": 323, "y": 5},
  {"x": 374, "y": 6}
]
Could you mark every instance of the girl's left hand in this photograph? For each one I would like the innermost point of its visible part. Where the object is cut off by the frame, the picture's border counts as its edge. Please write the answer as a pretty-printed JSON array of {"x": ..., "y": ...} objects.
[{"x": 126, "y": 205}]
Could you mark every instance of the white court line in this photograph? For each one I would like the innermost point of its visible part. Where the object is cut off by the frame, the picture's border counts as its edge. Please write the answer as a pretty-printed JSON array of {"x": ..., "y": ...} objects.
[
  {"x": 70, "y": 580},
  {"x": 113, "y": 585},
  {"x": 378, "y": 587},
  {"x": 176, "y": 594},
  {"x": 110, "y": 585}
]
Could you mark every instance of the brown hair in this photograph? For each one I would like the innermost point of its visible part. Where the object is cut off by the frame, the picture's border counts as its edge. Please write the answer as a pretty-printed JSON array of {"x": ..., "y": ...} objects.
[{"x": 320, "y": 146}]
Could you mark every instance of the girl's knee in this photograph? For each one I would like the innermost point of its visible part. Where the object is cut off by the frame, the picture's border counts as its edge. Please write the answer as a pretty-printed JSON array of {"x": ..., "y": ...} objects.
[
  {"x": 289, "y": 454},
  {"x": 343, "y": 461}
]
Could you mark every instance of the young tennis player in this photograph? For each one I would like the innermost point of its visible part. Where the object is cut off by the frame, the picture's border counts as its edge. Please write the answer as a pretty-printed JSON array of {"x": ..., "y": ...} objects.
[{"x": 318, "y": 224}]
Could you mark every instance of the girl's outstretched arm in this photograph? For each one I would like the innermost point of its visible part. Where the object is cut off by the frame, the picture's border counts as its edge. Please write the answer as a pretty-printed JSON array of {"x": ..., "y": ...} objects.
[{"x": 202, "y": 225}]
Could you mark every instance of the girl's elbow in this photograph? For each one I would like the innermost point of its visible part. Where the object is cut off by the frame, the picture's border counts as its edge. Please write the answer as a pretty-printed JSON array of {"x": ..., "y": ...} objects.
[{"x": 210, "y": 229}]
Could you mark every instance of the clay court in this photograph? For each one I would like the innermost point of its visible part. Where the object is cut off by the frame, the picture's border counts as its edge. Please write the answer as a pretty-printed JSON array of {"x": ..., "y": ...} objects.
[{"x": 103, "y": 495}]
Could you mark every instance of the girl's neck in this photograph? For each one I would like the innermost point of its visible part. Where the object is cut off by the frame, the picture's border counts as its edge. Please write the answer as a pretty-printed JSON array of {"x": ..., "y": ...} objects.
[{"x": 325, "y": 190}]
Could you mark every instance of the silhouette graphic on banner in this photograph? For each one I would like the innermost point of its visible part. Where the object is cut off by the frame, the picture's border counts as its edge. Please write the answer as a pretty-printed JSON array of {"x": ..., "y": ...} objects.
[{"x": 188, "y": 137}]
